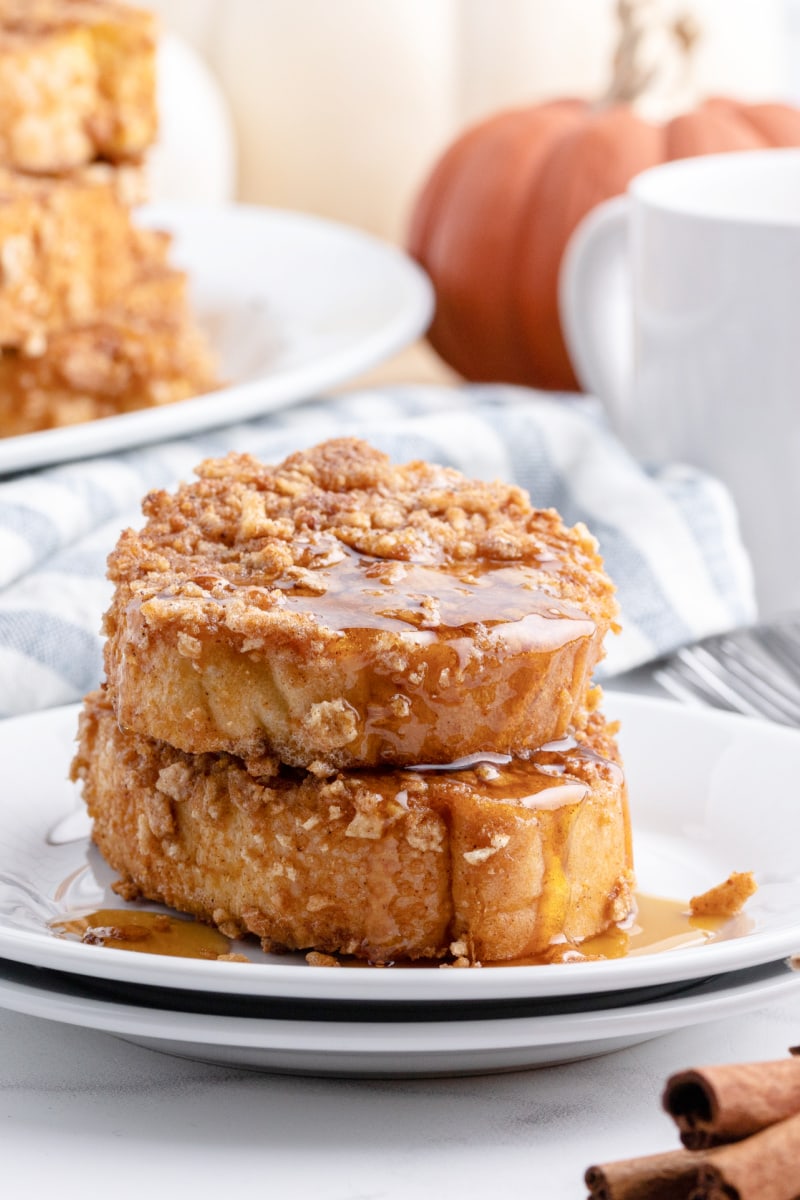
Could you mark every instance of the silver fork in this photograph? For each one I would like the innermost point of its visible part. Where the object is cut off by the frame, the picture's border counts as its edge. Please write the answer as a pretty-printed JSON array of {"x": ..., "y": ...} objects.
[{"x": 755, "y": 670}]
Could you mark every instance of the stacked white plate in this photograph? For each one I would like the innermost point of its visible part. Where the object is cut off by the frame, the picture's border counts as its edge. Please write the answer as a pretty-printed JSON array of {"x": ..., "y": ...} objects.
[{"x": 710, "y": 793}]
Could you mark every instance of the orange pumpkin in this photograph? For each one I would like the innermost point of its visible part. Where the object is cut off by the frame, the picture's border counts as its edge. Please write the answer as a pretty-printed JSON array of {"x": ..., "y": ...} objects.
[{"x": 492, "y": 222}]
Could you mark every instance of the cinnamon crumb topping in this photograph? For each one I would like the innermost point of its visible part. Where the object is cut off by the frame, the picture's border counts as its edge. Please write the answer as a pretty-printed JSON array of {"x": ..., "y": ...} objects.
[
  {"x": 251, "y": 525},
  {"x": 315, "y": 959},
  {"x": 726, "y": 899}
]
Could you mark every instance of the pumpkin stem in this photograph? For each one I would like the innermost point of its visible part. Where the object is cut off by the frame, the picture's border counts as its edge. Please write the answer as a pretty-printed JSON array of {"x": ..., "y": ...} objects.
[{"x": 633, "y": 74}]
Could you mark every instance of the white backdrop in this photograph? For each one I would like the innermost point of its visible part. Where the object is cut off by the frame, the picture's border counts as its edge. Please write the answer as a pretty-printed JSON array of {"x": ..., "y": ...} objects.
[{"x": 340, "y": 106}]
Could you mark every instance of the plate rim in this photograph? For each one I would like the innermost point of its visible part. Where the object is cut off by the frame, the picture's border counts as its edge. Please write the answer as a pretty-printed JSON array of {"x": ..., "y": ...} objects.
[
  {"x": 724, "y": 996},
  {"x": 299, "y": 980}
]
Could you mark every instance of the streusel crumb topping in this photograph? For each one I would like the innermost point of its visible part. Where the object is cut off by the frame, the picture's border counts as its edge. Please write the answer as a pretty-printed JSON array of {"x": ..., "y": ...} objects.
[{"x": 246, "y": 524}]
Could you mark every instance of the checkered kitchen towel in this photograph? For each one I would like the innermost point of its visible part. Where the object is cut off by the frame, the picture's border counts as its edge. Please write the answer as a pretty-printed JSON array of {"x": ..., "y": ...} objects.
[{"x": 669, "y": 536}]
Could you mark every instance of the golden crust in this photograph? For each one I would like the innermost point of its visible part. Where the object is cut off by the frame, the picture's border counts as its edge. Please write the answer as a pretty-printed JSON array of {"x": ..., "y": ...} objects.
[
  {"x": 338, "y": 609},
  {"x": 490, "y": 862},
  {"x": 77, "y": 82}
]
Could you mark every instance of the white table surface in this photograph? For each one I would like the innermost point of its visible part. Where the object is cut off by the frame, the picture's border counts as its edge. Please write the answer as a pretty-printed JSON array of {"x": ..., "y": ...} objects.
[{"x": 84, "y": 1114}]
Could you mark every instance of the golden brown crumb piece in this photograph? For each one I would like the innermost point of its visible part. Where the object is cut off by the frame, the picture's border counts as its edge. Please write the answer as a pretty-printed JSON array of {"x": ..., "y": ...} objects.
[
  {"x": 315, "y": 959},
  {"x": 242, "y": 958},
  {"x": 337, "y": 611},
  {"x": 127, "y": 889},
  {"x": 726, "y": 899},
  {"x": 77, "y": 82}
]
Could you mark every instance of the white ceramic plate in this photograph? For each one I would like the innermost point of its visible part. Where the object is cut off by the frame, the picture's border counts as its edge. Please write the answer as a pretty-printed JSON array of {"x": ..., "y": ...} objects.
[
  {"x": 710, "y": 793},
  {"x": 389, "y": 1048},
  {"x": 291, "y": 303}
]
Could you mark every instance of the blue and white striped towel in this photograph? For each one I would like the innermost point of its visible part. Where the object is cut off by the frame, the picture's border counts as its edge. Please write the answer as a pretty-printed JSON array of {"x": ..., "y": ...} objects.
[{"x": 669, "y": 537}]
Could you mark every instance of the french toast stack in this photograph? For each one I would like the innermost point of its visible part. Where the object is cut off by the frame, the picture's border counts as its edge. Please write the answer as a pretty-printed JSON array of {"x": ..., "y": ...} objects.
[
  {"x": 93, "y": 320},
  {"x": 349, "y": 710}
]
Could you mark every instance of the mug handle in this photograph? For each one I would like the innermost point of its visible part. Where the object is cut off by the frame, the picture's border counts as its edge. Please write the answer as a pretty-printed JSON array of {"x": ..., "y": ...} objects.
[{"x": 596, "y": 305}]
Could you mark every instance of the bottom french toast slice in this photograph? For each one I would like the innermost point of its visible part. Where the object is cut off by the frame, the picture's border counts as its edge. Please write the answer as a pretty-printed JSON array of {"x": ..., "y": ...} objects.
[{"x": 492, "y": 860}]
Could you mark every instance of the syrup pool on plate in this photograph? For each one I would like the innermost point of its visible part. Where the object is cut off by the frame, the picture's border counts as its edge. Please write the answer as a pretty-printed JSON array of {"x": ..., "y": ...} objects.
[
  {"x": 659, "y": 924},
  {"x": 144, "y": 931}
]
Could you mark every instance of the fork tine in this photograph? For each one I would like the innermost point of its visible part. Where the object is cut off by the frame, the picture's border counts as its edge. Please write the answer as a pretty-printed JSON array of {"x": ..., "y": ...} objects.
[
  {"x": 750, "y": 682},
  {"x": 784, "y": 643},
  {"x": 691, "y": 688},
  {"x": 704, "y": 670},
  {"x": 767, "y": 656},
  {"x": 753, "y": 662},
  {"x": 755, "y": 670}
]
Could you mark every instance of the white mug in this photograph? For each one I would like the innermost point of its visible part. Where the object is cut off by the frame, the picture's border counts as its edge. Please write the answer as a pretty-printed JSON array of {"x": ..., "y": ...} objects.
[{"x": 681, "y": 307}]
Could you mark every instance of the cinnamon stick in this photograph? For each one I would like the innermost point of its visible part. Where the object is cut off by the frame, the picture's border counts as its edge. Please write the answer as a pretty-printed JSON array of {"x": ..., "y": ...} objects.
[
  {"x": 764, "y": 1167},
  {"x": 715, "y": 1105},
  {"x": 668, "y": 1176}
]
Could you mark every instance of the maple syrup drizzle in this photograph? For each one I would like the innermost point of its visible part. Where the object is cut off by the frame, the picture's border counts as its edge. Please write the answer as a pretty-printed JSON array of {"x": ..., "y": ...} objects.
[
  {"x": 437, "y": 601},
  {"x": 658, "y": 925},
  {"x": 547, "y": 778}
]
